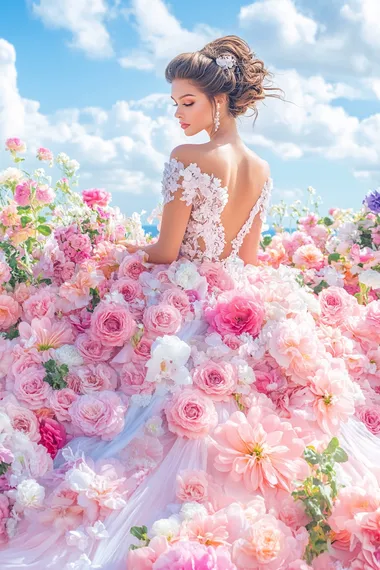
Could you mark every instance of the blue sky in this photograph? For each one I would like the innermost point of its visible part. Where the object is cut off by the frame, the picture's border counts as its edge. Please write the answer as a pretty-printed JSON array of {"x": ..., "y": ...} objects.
[{"x": 86, "y": 77}]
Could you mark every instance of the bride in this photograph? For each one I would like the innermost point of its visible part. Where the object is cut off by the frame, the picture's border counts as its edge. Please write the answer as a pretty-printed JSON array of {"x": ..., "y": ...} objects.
[{"x": 201, "y": 476}]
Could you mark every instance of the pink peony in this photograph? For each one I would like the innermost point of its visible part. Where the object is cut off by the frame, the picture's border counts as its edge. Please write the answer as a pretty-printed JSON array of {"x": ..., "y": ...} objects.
[
  {"x": 100, "y": 414},
  {"x": 53, "y": 435},
  {"x": 144, "y": 558},
  {"x": 60, "y": 402},
  {"x": 112, "y": 324},
  {"x": 96, "y": 196},
  {"x": 191, "y": 414},
  {"x": 192, "y": 486},
  {"x": 260, "y": 451},
  {"x": 237, "y": 313},
  {"x": 162, "y": 319},
  {"x": 217, "y": 380},
  {"x": 10, "y": 312},
  {"x": 268, "y": 544}
]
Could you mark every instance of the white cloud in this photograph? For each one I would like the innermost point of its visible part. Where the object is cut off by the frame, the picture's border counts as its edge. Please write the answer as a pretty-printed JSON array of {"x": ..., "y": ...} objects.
[
  {"x": 289, "y": 25},
  {"x": 85, "y": 19},
  {"x": 161, "y": 36}
]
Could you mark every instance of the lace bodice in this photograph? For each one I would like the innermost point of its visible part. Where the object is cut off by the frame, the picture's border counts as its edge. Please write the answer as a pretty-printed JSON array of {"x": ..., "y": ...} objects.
[{"x": 208, "y": 198}]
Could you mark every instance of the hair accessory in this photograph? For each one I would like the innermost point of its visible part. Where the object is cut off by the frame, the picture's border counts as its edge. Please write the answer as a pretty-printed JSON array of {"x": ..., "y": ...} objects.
[{"x": 226, "y": 61}]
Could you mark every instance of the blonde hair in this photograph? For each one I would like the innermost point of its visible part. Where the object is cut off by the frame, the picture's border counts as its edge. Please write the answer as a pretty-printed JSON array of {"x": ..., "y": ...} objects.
[{"x": 243, "y": 84}]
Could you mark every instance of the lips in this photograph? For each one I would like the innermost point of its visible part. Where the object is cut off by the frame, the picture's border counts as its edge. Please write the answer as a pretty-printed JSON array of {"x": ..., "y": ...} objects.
[{"x": 184, "y": 125}]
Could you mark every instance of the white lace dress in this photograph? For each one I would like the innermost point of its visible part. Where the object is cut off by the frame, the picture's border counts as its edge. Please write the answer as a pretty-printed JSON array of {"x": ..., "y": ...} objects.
[{"x": 208, "y": 199}]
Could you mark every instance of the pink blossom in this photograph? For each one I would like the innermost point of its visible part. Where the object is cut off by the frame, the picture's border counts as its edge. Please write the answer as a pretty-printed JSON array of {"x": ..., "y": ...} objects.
[
  {"x": 96, "y": 196},
  {"x": 6, "y": 456},
  {"x": 44, "y": 194},
  {"x": 40, "y": 304},
  {"x": 60, "y": 402},
  {"x": 191, "y": 414},
  {"x": 210, "y": 530},
  {"x": 44, "y": 154},
  {"x": 192, "y": 555},
  {"x": 131, "y": 267},
  {"x": 132, "y": 379},
  {"x": 5, "y": 272},
  {"x": 308, "y": 256},
  {"x": 178, "y": 298},
  {"x": 129, "y": 288},
  {"x": 260, "y": 451},
  {"x": 92, "y": 350},
  {"x": 112, "y": 324},
  {"x": 267, "y": 544},
  {"x": 144, "y": 558},
  {"x": 192, "y": 486},
  {"x": 53, "y": 435},
  {"x": 10, "y": 312},
  {"x": 162, "y": 319},
  {"x": 9, "y": 215},
  {"x": 236, "y": 312},
  {"x": 23, "y": 193},
  {"x": 6, "y": 356},
  {"x": 370, "y": 416},
  {"x": 216, "y": 379},
  {"x": 217, "y": 277},
  {"x": 335, "y": 305},
  {"x": 15, "y": 145},
  {"x": 100, "y": 414},
  {"x": 45, "y": 333},
  {"x": 96, "y": 377},
  {"x": 31, "y": 390},
  {"x": 23, "y": 419},
  {"x": 4, "y": 514}
]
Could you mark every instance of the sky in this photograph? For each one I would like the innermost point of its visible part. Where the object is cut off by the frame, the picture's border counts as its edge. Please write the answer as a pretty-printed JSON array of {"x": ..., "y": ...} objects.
[{"x": 86, "y": 77}]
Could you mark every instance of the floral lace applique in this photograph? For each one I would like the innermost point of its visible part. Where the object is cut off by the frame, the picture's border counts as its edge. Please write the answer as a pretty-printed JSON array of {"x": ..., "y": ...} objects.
[{"x": 208, "y": 198}]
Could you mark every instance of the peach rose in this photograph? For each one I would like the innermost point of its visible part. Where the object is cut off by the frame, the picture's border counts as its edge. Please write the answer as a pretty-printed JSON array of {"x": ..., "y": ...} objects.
[
  {"x": 112, "y": 324},
  {"x": 216, "y": 379},
  {"x": 100, "y": 414},
  {"x": 191, "y": 414},
  {"x": 10, "y": 312}
]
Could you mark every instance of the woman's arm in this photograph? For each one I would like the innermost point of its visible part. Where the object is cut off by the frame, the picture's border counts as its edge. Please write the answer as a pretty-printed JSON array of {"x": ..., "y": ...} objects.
[{"x": 175, "y": 217}]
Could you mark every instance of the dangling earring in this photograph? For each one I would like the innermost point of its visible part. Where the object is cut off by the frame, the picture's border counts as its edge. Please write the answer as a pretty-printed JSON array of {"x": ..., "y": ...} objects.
[{"x": 217, "y": 117}]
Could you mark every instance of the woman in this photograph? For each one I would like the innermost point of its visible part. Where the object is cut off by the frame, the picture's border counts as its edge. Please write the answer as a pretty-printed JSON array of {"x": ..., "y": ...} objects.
[{"x": 211, "y": 483}]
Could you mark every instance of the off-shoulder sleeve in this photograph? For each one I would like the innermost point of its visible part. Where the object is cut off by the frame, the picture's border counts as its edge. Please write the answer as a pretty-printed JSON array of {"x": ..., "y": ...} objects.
[{"x": 178, "y": 178}]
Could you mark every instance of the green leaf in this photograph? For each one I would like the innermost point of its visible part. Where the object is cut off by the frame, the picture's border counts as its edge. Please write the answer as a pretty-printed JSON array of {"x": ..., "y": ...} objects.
[
  {"x": 44, "y": 230},
  {"x": 328, "y": 221},
  {"x": 55, "y": 374},
  {"x": 23, "y": 209},
  {"x": 333, "y": 257},
  {"x": 4, "y": 467},
  {"x": 25, "y": 220},
  {"x": 340, "y": 456},
  {"x": 139, "y": 532},
  {"x": 332, "y": 446},
  {"x": 267, "y": 240},
  {"x": 12, "y": 333},
  {"x": 321, "y": 285},
  {"x": 311, "y": 456},
  {"x": 41, "y": 219}
]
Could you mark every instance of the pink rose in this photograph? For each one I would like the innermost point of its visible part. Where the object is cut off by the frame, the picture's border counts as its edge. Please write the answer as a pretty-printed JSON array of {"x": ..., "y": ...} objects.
[
  {"x": 53, "y": 435},
  {"x": 336, "y": 305},
  {"x": 236, "y": 312},
  {"x": 44, "y": 194},
  {"x": 191, "y": 414},
  {"x": 24, "y": 420},
  {"x": 40, "y": 304},
  {"x": 112, "y": 324},
  {"x": 60, "y": 402},
  {"x": 192, "y": 486},
  {"x": 217, "y": 380},
  {"x": 178, "y": 299},
  {"x": 92, "y": 350},
  {"x": 96, "y": 196},
  {"x": 143, "y": 558},
  {"x": 142, "y": 350},
  {"x": 217, "y": 277},
  {"x": 96, "y": 377},
  {"x": 131, "y": 267},
  {"x": 31, "y": 389},
  {"x": 132, "y": 379},
  {"x": 10, "y": 312},
  {"x": 44, "y": 154},
  {"x": 189, "y": 555},
  {"x": 99, "y": 415},
  {"x": 162, "y": 319},
  {"x": 129, "y": 288},
  {"x": 370, "y": 416}
]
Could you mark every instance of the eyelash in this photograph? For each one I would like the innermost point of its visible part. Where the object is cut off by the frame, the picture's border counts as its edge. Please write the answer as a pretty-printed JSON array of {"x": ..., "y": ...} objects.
[{"x": 188, "y": 105}]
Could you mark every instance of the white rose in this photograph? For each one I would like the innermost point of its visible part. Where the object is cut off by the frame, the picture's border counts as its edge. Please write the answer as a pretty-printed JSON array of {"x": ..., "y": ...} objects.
[
  {"x": 30, "y": 494},
  {"x": 69, "y": 354},
  {"x": 11, "y": 174},
  {"x": 189, "y": 510},
  {"x": 166, "y": 527}
]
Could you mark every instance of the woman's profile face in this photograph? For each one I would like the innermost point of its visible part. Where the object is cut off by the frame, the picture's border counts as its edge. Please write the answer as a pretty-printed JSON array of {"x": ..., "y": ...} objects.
[{"x": 193, "y": 109}]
